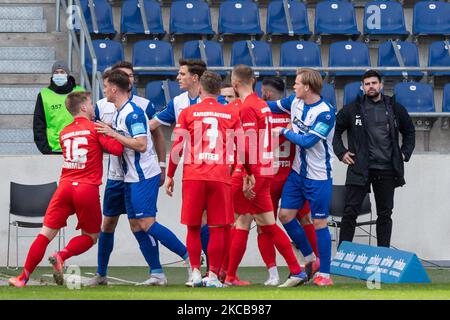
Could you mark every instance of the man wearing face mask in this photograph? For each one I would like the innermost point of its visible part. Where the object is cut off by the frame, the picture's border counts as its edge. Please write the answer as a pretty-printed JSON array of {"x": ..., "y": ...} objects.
[{"x": 50, "y": 114}]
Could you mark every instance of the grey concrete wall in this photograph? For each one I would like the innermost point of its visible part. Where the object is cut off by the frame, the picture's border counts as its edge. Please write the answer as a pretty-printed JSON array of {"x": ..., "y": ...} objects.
[{"x": 421, "y": 219}]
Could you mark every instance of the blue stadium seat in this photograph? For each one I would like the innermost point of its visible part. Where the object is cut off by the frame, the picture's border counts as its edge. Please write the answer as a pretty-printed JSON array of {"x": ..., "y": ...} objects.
[
  {"x": 276, "y": 18},
  {"x": 328, "y": 93},
  {"x": 155, "y": 93},
  {"x": 103, "y": 12},
  {"x": 392, "y": 19},
  {"x": 153, "y": 53},
  {"x": 213, "y": 50},
  {"x": 409, "y": 53},
  {"x": 415, "y": 96},
  {"x": 131, "y": 19},
  {"x": 349, "y": 54},
  {"x": 239, "y": 17},
  {"x": 352, "y": 91},
  {"x": 335, "y": 17},
  {"x": 299, "y": 54},
  {"x": 431, "y": 17},
  {"x": 108, "y": 52},
  {"x": 439, "y": 56},
  {"x": 446, "y": 99},
  {"x": 240, "y": 54},
  {"x": 190, "y": 17}
]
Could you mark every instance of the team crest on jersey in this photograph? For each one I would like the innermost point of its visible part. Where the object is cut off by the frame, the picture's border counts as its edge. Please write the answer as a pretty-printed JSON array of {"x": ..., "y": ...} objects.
[{"x": 135, "y": 116}]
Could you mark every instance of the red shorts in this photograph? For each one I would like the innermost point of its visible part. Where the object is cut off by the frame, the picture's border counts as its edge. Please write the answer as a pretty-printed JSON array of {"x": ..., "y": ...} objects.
[
  {"x": 276, "y": 189},
  {"x": 262, "y": 201},
  {"x": 82, "y": 199},
  {"x": 212, "y": 196}
]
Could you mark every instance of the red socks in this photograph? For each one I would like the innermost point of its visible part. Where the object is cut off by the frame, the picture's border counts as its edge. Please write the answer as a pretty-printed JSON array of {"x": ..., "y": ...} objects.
[
  {"x": 76, "y": 246},
  {"x": 267, "y": 250},
  {"x": 194, "y": 246},
  {"x": 228, "y": 238},
  {"x": 283, "y": 245},
  {"x": 216, "y": 248},
  {"x": 312, "y": 238},
  {"x": 237, "y": 251},
  {"x": 35, "y": 255}
]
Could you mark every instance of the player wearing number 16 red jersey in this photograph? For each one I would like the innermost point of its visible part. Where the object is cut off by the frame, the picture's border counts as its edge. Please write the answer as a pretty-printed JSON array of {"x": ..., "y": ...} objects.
[
  {"x": 78, "y": 190},
  {"x": 207, "y": 131}
]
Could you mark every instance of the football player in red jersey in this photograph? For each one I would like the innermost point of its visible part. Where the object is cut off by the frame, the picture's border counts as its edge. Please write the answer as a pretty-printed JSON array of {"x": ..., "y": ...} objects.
[
  {"x": 251, "y": 191},
  {"x": 205, "y": 129},
  {"x": 77, "y": 192},
  {"x": 272, "y": 89}
]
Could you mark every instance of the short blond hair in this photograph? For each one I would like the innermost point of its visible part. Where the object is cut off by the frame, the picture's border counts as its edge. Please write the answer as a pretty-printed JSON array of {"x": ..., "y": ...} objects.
[
  {"x": 211, "y": 82},
  {"x": 244, "y": 73},
  {"x": 311, "y": 78},
  {"x": 75, "y": 100}
]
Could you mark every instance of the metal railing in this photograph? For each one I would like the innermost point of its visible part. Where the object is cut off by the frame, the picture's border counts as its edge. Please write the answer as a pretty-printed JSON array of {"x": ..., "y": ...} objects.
[
  {"x": 331, "y": 70},
  {"x": 73, "y": 12}
]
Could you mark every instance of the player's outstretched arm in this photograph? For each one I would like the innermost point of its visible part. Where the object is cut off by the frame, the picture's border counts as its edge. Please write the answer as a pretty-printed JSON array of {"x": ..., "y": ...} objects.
[
  {"x": 154, "y": 124},
  {"x": 282, "y": 105},
  {"x": 160, "y": 147},
  {"x": 305, "y": 141},
  {"x": 110, "y": 145},
  {"x": 138, "y": 143}
]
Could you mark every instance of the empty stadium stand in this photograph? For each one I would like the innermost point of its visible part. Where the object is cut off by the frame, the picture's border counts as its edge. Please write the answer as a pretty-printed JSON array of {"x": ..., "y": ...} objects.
[
  {"x": 396, "y": 54},
  {"x": 286, "y": 33},
  {"x": 108, "y": 53},
  {"x": 392, "y": 20},
  {"x": 132, "y": 22},
  {"x": 299, "y": 54},
  {"x": 153, "y": 53}
]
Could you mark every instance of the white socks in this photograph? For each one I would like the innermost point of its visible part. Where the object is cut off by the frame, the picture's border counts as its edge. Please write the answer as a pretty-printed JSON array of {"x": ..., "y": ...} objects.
[
  {"x": 273, "y": 272},
  {"x": 310, "y": 258}
]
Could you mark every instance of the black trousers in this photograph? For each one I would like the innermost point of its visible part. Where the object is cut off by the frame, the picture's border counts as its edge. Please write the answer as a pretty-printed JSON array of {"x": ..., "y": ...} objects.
[{"x": 383, "y": 185}]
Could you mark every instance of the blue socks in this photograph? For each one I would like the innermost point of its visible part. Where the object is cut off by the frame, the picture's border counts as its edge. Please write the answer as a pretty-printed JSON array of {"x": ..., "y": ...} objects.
[
  {"x": 168, "y": 239},
  {"x": 105, "y": 247},
  {"x": 324, "y": 248},
  {"x": 150, "y": 251},
  {"x": 204, "y": 235},
  {"x": 298, "y": 235}
]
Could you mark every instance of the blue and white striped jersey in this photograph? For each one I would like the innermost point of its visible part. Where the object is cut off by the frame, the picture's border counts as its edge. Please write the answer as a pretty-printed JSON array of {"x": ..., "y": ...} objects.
[
  {"x": 105, "y": 111},
  {"x": 131, "y": 121},
  {"x": 170, "y": 114},
  {"x": 314, "y": 162}
]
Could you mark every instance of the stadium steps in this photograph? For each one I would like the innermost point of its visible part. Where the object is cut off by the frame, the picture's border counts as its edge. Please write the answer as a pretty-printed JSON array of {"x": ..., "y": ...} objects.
[
  {"x": 10, "y": 149},
  {"x": 16, "y": 119},
  {"x": 28, "y": 48},
  {"x": 22, "y": 19},
  {"x": 26, "y": 59}
]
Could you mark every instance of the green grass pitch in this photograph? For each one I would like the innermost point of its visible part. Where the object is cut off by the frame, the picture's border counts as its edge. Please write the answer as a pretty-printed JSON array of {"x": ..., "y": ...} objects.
[{"x": 344, "y": 288}]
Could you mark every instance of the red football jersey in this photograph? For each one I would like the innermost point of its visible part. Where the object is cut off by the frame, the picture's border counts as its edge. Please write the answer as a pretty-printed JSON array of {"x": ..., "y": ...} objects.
[
  {"x": 256, "y": 120},
  {"x": 285, "y": 154},
  {"x": 82, "y": 148},
  {"x": 204, "y": 129}
]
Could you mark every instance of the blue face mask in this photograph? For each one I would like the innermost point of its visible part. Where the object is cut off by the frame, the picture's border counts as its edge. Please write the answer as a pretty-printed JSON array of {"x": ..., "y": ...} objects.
[{"x": 60, "y": 79}]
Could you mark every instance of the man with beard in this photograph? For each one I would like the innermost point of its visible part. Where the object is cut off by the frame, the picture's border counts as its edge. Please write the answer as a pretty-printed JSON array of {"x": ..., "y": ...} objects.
[{"x": 374, "y": 155}]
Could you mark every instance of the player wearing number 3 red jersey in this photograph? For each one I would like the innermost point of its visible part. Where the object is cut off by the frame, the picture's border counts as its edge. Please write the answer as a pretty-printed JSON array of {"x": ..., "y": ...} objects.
[
  {"x": 78, "y": 190},
  {"x": 205, "y": 130}
]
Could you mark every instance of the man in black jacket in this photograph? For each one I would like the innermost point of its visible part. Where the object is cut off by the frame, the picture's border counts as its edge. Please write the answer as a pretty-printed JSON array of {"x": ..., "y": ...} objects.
[
  {"x": 50, "y": 113},
  {"x": 374, "y": 157}
]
